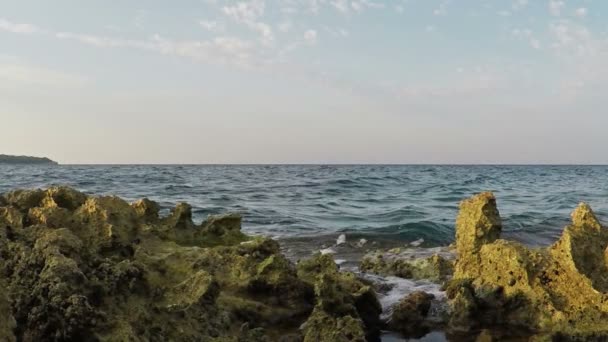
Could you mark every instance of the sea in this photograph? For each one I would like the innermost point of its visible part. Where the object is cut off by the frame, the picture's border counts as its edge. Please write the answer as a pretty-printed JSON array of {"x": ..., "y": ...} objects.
[{"x": 310, "y": 208}]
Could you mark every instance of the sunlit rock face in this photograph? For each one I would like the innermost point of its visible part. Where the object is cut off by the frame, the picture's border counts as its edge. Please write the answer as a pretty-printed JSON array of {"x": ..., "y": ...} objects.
[
  {"x": 75, "y": 267},
  {"x": 560, "y": 290}
]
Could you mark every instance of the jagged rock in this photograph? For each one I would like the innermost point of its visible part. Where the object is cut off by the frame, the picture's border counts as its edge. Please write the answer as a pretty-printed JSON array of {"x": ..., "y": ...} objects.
[
  {"x": 323, "y": 327},
  {"x": 404, "y": 264},
  {"x": 97, "y": 268},
  {"x": 52, "y": 217},
  {"x": 410, "y": 313},
  {"x": 147, "y": 210},
  {"x": 63, "y": 197},
  {"x": 477, "y": 224},
  {"x": 7, "y": 322},
  {"x": 348, "y": 308},
  {"x": 23, "y": 200},
  {"x": 559, "y": 290}
]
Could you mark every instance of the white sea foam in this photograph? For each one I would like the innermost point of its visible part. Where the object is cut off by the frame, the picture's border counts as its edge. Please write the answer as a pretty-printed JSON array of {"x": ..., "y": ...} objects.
[
  {"x": 398, "y": 288},
  {"x": 341, "y": 240}
]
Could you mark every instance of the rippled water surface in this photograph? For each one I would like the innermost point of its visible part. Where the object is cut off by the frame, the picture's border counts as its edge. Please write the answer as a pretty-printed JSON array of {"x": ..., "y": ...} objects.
[{"x": 394, "y": 202}]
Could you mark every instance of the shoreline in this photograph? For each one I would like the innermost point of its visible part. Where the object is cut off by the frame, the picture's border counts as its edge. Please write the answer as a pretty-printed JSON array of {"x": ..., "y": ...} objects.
[{"x": 97, "y": 267}]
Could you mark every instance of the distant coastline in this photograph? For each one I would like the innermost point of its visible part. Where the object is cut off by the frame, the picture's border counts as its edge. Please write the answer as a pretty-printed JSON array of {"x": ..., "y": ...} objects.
[{"x": 6, "y": 159}]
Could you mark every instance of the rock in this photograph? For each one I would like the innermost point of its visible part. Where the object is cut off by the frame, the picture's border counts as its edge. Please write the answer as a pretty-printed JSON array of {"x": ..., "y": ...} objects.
[
  {"x": 63, "y": 197},
  {"x": 97, "y": 268},
  {"x": 322, "y": 327},
  {"x": 147, "y": 210},
  {"x": 410, "y": 313},
  {"x": 478, "y": 223},
  {"x": 557, "y": 291},
  {"x": 23, "y": 200},
  {"x": 405, "y": 264},
  {"x": 346, "y": 308},
  {"x": 7, "y": 322}
]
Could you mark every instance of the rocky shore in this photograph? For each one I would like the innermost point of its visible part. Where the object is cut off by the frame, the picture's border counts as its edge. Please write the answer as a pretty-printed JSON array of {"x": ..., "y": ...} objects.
[{"x": 81, "y": 268}]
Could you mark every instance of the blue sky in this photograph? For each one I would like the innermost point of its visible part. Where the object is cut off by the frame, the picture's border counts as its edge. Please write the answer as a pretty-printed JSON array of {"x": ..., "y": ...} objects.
[{"x": 305, "y": 81}]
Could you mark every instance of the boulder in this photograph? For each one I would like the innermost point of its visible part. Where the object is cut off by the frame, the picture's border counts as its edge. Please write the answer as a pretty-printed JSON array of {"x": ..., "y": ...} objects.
[
  {"x": 406, "y": 264},
  {"x": 409, "y": 315},
  {"x": 560, "y": 290}
]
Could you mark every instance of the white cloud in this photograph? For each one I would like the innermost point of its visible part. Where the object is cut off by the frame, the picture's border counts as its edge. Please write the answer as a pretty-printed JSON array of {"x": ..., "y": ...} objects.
[
  {"x": 310, "y": 36},
  {"x": 555, "y": 7},
  {"x": 442, "y": 9},
  {"x": 211, "y": 26},
  {"x": 581, "y": 12},
  {"x": 527, "y": 35},
  {"x": 248, "y": 14},
  {"x": 6, "y": 25},
  {"x": 285, "y": 26},
  {"x": 519, "y": 4},
  {"x": 341, "y": 5},
  {"x": 248, "y": 11}
]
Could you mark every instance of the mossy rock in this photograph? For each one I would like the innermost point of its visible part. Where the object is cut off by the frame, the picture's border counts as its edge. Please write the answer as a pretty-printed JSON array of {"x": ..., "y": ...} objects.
[
  {"x": 560, "y": 290},
  {"x": 77, "y": 267}
]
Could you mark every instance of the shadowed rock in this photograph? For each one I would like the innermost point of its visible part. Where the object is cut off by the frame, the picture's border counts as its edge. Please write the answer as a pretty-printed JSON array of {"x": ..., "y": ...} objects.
[
  {"x": 410, "y": 313},
  {"x": 80, "y": 268},
  {"x": 7, "y": 322},
  {"x": 407, "y": 265}
]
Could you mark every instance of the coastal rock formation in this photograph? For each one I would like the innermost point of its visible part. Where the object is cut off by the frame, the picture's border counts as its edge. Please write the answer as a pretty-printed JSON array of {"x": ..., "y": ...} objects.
[
  {"x": 409, "y": 315},
  {"x": 74, "y": 267},
  {"x": 405, "y": 264},
  {"x": 7, "y": 322},
  {"x": 560, "y": 290}
]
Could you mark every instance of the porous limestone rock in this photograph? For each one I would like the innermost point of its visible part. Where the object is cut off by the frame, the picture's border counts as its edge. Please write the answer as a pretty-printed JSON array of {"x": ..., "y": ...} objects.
[
  {"x": 98, "y": 268},
  {"x": 405, "y": 264},
  {"x": 409, "y": 315},
  {"x": 7, "y": 322},
  {"x": 346, "y": 309},
  {"x": 560, "y": 290}
]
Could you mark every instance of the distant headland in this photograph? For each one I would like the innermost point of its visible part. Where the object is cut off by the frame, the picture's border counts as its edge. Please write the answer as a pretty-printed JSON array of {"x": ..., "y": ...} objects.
[{"x": 6, "y": 159}]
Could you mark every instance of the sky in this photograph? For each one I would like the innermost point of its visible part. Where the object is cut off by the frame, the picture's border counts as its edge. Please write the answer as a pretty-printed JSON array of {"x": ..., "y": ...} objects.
[{"x": 305, "y": 81}]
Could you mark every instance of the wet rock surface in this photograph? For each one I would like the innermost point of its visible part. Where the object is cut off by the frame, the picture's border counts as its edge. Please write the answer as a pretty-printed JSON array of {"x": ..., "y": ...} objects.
[
  {"x": 410, "y": 264},
  {"x": 76, "y": 267}
]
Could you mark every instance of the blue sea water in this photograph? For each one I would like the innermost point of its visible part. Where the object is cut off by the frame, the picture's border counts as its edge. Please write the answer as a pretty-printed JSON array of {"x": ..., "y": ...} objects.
[{"x": 403, "y": 203}]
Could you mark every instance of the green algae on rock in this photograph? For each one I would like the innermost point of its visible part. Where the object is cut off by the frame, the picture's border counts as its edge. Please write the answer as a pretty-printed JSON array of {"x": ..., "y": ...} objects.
[
  {"x": 7, "y": 322},
  {"x": 560, "y": 290},
  {"x": 345, "y": 310},
  {"x": 403, "y": 264},
  {"x": 74, "y": 267}
]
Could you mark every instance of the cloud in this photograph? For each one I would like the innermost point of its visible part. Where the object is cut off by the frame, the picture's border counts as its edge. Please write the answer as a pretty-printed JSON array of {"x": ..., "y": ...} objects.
[
  {"x": 6, "y": 25},
  {"x": 581, "y": 12},
  {"x": 526, "y": 34},
  {"x": 248, "y": 13},
  {"x": 285, "y": 26},
  {"x": 555, "y": 7},
  {"x": 211, "y": 26},
  {"x": 310, "y": 37},
  {"x": 519, "y": 4},
  {"x": 442, "y": 9}
]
